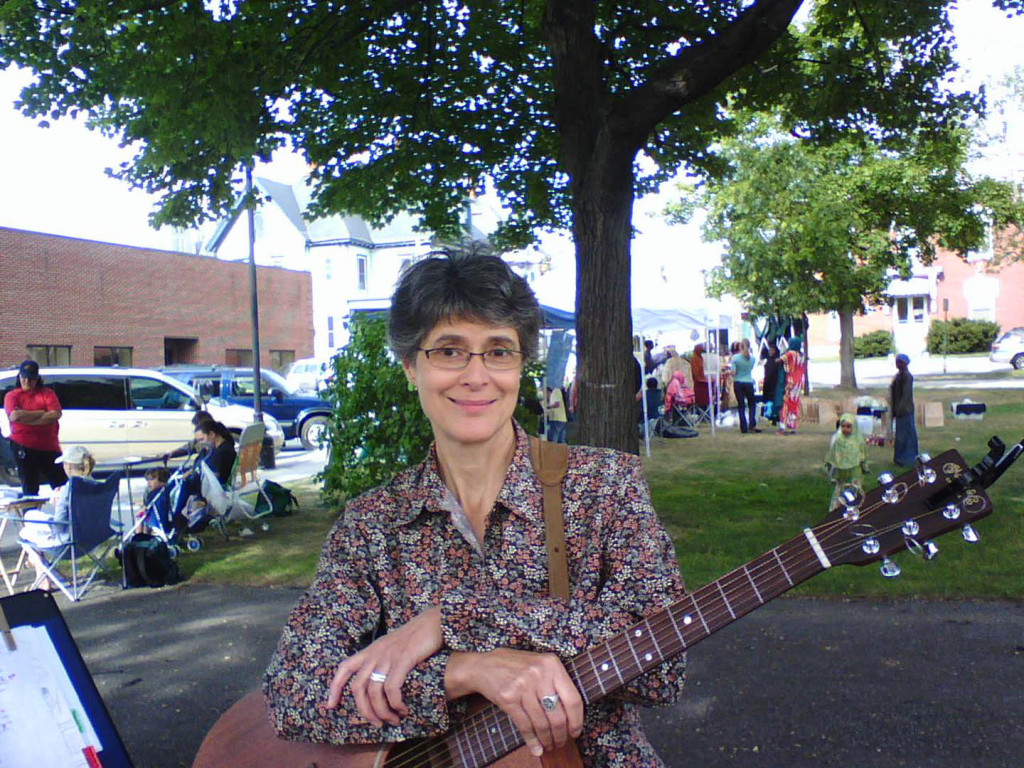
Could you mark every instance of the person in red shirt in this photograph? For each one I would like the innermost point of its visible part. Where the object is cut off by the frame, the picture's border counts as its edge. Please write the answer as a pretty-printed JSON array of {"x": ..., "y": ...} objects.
[{"x": 34, "y": 411}]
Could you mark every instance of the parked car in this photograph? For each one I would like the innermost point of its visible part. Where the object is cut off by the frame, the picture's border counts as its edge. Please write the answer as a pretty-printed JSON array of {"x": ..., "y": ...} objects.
[
  {"x": 129, "y": 412},
  {"x": 302, "y": 416},
  {"x": 305, "y": 375},
  {"x": 1009, "y": 348}
]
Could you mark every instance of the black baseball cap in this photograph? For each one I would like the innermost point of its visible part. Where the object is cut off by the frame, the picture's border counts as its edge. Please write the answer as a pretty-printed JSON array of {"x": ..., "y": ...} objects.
[{"x": 29, "y": 369}]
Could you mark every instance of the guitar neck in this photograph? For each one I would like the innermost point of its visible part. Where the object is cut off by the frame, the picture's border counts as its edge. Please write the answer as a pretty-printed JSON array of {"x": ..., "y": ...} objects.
[
  {"x": 489, "y": 734},
  {"x": 665, "y": 634}
]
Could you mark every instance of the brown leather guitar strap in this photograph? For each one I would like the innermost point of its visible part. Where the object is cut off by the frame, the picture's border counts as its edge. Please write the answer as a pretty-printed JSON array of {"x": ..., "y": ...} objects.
[{"x": 551, "y": 462}]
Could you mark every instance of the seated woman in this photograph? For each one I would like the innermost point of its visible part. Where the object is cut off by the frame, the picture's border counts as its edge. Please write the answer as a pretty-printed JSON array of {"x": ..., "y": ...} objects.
[
  {"x": 434, "y": 586},
  {"x": 678, "y": 394},
  {"x": 49, "y": 527},
  {"x": 217, "y": 451}
]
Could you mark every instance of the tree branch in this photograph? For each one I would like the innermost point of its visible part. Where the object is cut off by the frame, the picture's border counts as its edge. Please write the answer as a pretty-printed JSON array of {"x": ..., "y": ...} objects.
[{"x": 696, "y": 70}]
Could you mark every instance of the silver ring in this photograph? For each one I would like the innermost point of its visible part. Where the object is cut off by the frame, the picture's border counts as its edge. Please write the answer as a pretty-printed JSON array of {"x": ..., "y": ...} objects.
[
  {"x": 379, "y": 677},
  {"x": 549, "y": 702}
]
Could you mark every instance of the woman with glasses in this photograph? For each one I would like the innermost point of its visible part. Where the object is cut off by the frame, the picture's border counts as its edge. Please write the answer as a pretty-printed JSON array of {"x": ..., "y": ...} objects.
[{"x": 435, "y": 585}]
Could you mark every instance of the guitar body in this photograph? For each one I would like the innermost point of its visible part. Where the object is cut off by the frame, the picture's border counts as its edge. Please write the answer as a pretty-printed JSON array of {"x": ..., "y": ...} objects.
[{"x": 244, "y": 738}]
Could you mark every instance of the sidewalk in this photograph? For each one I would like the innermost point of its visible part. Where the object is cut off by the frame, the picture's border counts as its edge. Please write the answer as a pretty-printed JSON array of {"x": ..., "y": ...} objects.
[{"x": 933, "y": 372}]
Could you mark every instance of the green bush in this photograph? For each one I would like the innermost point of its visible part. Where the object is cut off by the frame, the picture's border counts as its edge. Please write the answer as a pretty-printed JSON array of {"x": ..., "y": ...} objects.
[
  {"x": 874, "y": 344},
  {"x": 961, "y": 336},
  {"x": 378, "y": 426}
]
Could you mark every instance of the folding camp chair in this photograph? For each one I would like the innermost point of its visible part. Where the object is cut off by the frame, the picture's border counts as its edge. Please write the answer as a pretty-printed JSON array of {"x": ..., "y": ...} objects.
[
  {"x": 91, "y": 505},
  {"x": 226, "y": 500}
]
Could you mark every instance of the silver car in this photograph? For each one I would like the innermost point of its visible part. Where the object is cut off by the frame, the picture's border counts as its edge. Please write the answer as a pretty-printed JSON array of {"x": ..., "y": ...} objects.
[{"x": 1009, "y": 348}]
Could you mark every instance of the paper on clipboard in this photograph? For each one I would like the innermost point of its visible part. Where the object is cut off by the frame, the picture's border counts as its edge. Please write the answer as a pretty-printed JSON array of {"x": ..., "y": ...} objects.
[{"x": 42, "y": 720}]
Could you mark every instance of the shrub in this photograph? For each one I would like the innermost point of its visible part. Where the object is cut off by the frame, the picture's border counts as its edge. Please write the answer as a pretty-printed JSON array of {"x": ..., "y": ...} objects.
[
  {"x": 874, "y": 344},
  {"x": 378, "y": 426},
  {"x": 961, "y": 336}
]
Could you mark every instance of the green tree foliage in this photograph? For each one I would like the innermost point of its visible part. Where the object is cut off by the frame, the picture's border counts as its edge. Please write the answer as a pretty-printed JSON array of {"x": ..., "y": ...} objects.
[
  {"x": 402, "y": 105},
  {"x": 809, "y": 226},
  {"x": 378, "y": 426},
  {"x": 874, "y": 344},
  {"x": 961, "y": 336}
]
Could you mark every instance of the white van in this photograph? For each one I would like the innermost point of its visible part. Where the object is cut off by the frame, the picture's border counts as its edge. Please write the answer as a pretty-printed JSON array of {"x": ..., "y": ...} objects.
[
  {"x": 305, "y": 375},
  {"x": 120, "y": 413}
]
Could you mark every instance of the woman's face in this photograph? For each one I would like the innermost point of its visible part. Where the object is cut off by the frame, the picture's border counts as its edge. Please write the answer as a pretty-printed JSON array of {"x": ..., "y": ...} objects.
[
  {"x": 472, "y": 405},
  {"x": 847, "y": 428}
]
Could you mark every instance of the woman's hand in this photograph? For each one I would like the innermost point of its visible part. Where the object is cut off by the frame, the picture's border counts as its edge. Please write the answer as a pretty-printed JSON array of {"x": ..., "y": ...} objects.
[
  {"x": 519, "y": 682},
  {"x": 389, "y": 657}
]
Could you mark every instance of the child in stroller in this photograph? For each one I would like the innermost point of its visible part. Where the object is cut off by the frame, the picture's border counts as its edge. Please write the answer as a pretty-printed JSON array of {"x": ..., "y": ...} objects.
[{"x": 189, "y": 512}]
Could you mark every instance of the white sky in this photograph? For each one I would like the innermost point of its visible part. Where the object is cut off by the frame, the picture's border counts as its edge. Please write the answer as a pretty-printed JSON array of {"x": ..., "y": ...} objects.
[{"x": 53, "y": 179}]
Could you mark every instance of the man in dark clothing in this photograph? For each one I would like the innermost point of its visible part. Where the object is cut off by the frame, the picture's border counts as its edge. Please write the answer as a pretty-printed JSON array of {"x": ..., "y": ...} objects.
[
  {"x": 901, "y": 401},
  {"x": 33, "y": 412}
]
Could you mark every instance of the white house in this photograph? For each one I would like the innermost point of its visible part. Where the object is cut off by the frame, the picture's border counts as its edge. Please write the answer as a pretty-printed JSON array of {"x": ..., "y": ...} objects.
[{"x": 353, "y": 265}]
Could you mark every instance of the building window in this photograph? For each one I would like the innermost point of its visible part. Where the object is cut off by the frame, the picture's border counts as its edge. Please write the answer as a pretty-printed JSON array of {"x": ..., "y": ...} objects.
[
  {"x": 107, "y": 356},
  {"x": 281, "y": 358},
  {"x": 238, "y": 357},
  {"x": 919, "y": 308},
  {"x": 362, "y": 264},
  {"x": 50, "y": 354},
  {"x": 330, "y": 332}
]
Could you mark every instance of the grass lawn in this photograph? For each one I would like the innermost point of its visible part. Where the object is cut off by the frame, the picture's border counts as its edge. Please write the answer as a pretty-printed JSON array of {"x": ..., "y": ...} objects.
[
  {"x": 725, "y": 500},
  {"x": 728, "y": 498}
]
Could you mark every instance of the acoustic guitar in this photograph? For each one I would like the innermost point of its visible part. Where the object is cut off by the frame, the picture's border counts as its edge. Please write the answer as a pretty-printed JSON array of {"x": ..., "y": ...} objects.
[{"x": 904, "y": 513}]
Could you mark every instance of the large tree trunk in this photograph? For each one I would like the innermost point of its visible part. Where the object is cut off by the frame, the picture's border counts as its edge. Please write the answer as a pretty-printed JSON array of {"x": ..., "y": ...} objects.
[
  {"x": 603, "y": 213},
  {"x": 847, "y": 374}
]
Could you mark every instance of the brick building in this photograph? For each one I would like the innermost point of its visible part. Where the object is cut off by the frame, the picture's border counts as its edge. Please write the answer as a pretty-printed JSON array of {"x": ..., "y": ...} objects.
[
  {"x": 970, "y": 288},
  {"x": 78, "y": 302}
]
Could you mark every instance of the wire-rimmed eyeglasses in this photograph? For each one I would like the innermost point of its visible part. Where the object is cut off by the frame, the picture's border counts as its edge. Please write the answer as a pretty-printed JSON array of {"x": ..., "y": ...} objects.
[{"x": 457, "y": 358}]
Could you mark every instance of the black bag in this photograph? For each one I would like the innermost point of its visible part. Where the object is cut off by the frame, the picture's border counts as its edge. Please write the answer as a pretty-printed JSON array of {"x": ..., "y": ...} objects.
[
  {"x": 147, "y": 562},
  {"x": 675, "y": 430},
  {"x": 281, "y": 503}
]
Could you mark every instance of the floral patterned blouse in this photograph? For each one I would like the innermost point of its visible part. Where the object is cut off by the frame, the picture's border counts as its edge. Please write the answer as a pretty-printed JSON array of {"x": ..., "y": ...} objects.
[{"x": 398, "y": 550}]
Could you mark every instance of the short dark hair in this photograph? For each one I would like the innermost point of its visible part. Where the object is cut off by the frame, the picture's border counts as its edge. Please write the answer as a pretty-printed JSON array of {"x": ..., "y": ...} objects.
[
  {"x": 468, "y": 287},
  {"x": 163, "y": 474},
  {"x": 201, "y": 416}
]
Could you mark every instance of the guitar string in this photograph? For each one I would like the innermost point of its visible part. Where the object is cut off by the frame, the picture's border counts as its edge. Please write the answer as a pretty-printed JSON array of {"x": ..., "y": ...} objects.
[{"x": 487, "y": 720}]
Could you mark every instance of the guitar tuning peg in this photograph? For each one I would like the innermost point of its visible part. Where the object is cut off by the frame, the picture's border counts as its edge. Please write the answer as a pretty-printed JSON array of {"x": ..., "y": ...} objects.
[
  {"x": 970, "y": 535},
  {"x": 890, "y": 569},
  {"x": 885, "y": 478},
  {"x": 889, "y": 493},
  {"x": 930, "y": 550},
  {"x": 925, "y": 474}
]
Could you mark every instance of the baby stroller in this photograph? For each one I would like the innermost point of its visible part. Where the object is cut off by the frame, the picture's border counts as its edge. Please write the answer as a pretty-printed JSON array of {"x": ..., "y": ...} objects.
[{"x": 156, "y": 518}]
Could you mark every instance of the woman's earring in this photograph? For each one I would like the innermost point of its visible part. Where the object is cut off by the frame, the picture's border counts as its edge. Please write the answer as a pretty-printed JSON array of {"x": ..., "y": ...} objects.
[{"x": 412, "y": 386}]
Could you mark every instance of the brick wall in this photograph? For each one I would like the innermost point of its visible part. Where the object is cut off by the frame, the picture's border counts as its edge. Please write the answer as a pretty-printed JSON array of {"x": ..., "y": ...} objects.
[{"x": 64, "y": 291}]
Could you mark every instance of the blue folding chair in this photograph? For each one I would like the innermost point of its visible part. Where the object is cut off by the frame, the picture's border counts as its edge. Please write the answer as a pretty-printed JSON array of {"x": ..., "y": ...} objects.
[{"x": 91, "y": 505}]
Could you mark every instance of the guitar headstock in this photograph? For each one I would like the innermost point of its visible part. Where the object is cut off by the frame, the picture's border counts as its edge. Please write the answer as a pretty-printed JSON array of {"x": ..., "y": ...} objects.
[{"x": 906, "y": 512}]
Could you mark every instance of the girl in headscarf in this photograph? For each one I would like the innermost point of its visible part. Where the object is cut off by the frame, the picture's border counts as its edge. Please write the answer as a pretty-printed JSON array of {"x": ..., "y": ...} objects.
[
  {"x": 795, "y": 366},
  {"x": 847, "y": 458}
]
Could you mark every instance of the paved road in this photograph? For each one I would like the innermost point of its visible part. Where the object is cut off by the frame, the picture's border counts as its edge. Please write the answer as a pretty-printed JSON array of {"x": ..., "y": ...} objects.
[
  {"x": 929, "y": 373},
  {"x": 799, "y": 683}
]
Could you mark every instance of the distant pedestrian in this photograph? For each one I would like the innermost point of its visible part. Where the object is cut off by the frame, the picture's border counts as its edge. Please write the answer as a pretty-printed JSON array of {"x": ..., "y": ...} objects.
[
  {"x": 847, "y": 458},
  {"x": 34, "y": 412},
  {"x": 901, "y": 402},
  {"x": 557, "y": 417},
  {"x": 795, "y": 365},
  {"x": 770, "y": 394},
  {"x": 743, "y": 386}
]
